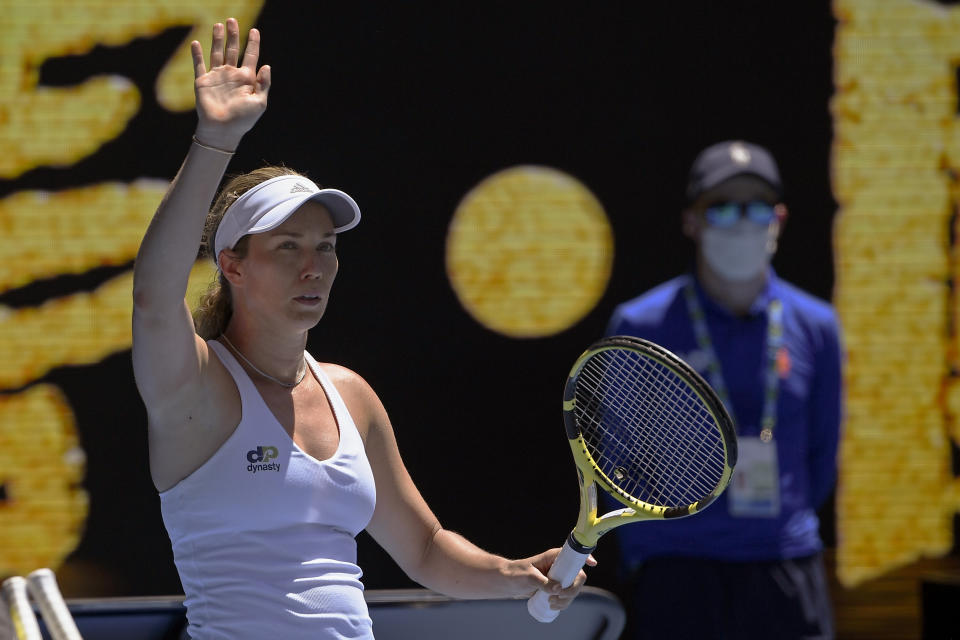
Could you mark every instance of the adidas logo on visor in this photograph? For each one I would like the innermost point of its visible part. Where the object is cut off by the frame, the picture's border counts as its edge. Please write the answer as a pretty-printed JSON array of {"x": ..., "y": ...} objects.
[{"x": 299, "y": 188}]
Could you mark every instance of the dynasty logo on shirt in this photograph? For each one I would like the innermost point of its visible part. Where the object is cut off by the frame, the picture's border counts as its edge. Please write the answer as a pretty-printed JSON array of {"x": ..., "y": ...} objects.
[{"x": 260, "y": 458}]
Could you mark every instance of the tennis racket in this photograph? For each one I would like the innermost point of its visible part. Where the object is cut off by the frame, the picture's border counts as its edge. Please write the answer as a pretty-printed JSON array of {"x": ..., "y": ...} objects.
[
  {"x": 42, "y": 585},
  {"x": 648, "y": 430},
  {"x": 23, "y": 620}
]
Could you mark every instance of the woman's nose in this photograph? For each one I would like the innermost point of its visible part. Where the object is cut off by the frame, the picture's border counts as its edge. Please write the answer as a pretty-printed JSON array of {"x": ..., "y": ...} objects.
[{"x": 313, "y": 267}]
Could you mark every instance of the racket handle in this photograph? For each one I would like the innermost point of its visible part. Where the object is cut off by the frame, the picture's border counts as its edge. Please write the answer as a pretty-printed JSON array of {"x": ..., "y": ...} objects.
[
  {"x": 25, "y": 625},
  {"x": 564, "y": 570},
  {"x": 43, "y": 587}
]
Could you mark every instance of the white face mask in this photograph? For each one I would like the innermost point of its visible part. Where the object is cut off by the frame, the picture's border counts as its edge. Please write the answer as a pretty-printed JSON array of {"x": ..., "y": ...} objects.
[{"x": 741, "y": 253}]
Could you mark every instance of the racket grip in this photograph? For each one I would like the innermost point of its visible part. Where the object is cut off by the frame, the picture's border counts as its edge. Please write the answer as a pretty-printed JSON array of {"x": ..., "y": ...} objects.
[
  {"x": 25, "y": 625},
  {"x": 42, "y": 584},
  {"x": 564, "y": 570}
]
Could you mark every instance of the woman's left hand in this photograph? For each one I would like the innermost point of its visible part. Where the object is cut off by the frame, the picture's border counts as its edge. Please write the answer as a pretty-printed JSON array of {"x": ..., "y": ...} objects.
[{"x": 533, "y": 571}]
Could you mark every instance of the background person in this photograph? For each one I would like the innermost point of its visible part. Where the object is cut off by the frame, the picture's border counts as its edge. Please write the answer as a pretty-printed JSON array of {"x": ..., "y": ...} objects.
[{"x": 750, "y": 565}]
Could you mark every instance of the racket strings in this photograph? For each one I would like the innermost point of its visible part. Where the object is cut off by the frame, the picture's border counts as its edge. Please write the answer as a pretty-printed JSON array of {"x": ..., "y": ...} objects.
[
  {"x": 654, "y": 469},
  {"x": 647, "y": 429},
  {"x": 678, "y": 456},
  {"x": 652, "y": 478},
  {"x": 659, "y": 413},
  {"x": 689, "y": 450}
]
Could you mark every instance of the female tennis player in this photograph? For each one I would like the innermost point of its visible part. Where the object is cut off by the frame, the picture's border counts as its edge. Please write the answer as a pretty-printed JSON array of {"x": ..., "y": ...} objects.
[{"x": 269, "y": 463}]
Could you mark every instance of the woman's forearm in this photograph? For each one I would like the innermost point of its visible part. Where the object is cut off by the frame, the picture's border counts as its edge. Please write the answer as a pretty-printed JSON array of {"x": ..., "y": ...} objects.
[
  {"x": 454, "y": 566},
  {"x": 169, "y": 247}
]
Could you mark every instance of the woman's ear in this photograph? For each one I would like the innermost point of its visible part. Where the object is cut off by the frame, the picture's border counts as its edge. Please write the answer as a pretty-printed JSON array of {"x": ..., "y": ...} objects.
[{"x": 231, "y": 266}]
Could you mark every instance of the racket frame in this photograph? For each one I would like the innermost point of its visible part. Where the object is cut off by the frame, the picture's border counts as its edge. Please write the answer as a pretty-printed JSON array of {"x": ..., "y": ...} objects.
[
  {"x": 590, "y": 527},
  {"x": 22, "y": 618},
  {"x": 583, "y": 539},
  {"x": 43, "y": 587}
]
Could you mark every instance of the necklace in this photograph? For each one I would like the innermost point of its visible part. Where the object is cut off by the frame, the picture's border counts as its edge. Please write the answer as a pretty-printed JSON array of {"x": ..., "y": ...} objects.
[{"x": 288, "y": 385}]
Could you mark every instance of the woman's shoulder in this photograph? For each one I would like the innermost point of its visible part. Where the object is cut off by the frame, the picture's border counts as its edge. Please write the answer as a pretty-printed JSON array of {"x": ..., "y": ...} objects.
[
  {"x": 341, "y": 375},
  {"x": 362, "y": 401},
  {"x": 355, "y": 390}
]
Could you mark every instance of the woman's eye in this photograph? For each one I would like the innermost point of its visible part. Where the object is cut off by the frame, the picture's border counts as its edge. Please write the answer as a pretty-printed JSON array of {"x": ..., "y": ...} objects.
[
  {"x": 327, "y": 246},
  {"x": 287, "y": 245}
]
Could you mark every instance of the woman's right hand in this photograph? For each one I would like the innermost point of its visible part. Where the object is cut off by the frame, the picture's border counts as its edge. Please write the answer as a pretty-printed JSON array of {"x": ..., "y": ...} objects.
[{"x": 232, "y": 95}]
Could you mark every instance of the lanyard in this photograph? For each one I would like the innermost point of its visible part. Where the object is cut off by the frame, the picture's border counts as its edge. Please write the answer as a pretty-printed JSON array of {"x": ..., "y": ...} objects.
[{"x": 774, "y": 342}]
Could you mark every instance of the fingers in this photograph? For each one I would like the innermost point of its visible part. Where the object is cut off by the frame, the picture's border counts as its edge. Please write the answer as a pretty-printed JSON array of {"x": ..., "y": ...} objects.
[
  {"x": 233, "y": 43},
  {"x": 225, "y": 49},
  {"x": 196, "y": 50},
  {"x": 252, "y": 53},
  {"x": 263, "y": 78},
  {"x": 216, "y": 48},
  {"x": 561, "y": 598},
  {"x": 561, "y": 602}
]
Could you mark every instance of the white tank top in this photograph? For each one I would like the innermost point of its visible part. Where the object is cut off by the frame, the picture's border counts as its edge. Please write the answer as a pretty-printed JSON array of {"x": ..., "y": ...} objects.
[{"x": 263, "y": 533}]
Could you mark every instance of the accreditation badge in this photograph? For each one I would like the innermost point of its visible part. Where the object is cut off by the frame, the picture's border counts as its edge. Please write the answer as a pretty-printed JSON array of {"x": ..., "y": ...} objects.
[{"x": 754, "y": 490}]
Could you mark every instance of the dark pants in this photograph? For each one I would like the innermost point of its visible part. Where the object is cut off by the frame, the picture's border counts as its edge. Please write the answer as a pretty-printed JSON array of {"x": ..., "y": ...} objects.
[{"x": 694, "y": 598}]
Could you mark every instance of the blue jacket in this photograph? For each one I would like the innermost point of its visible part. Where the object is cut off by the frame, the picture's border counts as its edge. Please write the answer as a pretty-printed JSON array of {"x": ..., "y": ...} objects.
[{"x": 807, "y": 425}]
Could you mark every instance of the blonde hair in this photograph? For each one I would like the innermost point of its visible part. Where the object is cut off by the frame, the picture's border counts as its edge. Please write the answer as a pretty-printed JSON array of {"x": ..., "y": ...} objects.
[{"x": 215, "y": 307}]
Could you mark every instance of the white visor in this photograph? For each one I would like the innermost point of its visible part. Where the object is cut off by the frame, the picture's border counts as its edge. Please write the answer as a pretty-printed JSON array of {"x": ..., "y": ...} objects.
[{"x": 267, "y": 205}]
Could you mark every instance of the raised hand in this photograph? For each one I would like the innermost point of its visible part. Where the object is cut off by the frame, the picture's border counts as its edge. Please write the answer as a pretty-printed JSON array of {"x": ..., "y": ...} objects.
[{"x": 231, "y": 96}]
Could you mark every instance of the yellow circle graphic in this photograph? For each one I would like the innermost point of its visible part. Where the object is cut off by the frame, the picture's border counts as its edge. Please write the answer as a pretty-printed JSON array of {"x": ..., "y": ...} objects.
[{"x": 529, "y": 251}]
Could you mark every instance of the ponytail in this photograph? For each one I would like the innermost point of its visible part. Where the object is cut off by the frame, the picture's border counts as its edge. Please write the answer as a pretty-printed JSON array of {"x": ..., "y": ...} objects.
[{"x": 214, "y": 310}]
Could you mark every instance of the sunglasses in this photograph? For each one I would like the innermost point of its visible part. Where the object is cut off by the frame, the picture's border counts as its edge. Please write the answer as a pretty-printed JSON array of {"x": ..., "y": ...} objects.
[{"x": 727, "y": 214}]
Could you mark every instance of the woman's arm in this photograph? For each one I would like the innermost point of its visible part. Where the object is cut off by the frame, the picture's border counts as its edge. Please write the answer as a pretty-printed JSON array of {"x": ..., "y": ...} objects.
[
  {"x": 168, "y": 357},
  {"x": 435, "y": 557}
]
